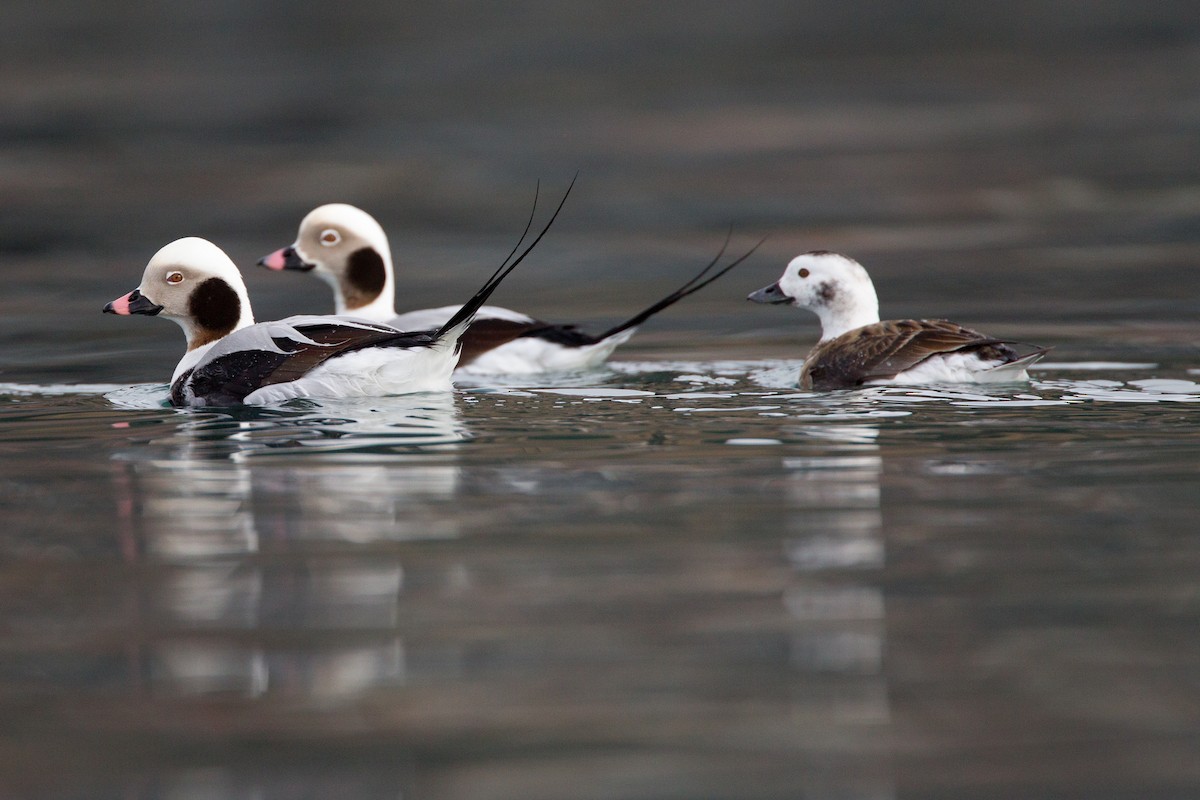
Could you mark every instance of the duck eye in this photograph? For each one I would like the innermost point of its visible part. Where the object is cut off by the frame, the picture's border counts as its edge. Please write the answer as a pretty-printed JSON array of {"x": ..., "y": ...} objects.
[
  {"x": 330, "y": 237},
  {"x": 174, "y": 278},
  {"x": 803, "y": 272}
]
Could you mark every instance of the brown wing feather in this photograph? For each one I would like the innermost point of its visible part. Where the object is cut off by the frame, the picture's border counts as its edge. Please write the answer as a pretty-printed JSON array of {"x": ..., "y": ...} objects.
[
  {"x": 489, "y": 333},
  {"x": 885, "y": 349}
]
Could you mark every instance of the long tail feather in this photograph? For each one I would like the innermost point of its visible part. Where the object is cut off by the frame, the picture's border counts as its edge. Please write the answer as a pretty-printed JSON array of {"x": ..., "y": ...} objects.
[
  {"x": 691, "y": 287},
  {"x": 464, "y": 315}
]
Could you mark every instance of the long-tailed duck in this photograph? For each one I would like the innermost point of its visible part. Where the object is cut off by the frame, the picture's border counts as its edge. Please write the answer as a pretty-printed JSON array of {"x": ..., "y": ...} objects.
[
  {"x": 231, "y": 360},
  {"x": 856, "y": 349},
  {"x": 345, "y": 247}
]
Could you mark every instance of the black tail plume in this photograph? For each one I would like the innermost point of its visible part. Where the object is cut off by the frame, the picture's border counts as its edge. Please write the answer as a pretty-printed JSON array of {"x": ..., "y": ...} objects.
[
  {"x": 480, "y": 297},
  {"x": 691, "y": 287}
]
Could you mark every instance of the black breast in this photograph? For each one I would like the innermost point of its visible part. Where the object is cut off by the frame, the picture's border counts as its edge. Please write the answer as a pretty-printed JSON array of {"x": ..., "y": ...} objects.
[
  {"x": 225, "y": 381},
  {"x": 178, "y": 393}
]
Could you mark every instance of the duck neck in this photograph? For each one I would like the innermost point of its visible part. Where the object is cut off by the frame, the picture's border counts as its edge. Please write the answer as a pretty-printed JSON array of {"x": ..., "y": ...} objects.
[
  {"x": 841, "y": 318},
  {"x": 219, "y": 308},
  {"x": 366, "y": 288},
  {"x": 380, "y": 308}
]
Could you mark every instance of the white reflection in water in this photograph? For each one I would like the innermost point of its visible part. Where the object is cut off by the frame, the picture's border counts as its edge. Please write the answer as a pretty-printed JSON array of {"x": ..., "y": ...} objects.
[
  {"x": 198, "y": 509},
  {"x": 217, "y": 503},
  {"x": 835, "y": 545},
  {"x": 363, "y": 503},
  {"x": 839, "y": 497},
  {"x": 224, "y": 594},
  {"x": 195, "y": 667}
]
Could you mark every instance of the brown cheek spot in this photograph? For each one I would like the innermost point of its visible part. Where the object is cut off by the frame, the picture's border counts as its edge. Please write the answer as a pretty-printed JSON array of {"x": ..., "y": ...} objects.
[
  {"x": 366, "y": 276},
  {"x": 215, "y": 308},
  {"x": 827, "y": 292}
]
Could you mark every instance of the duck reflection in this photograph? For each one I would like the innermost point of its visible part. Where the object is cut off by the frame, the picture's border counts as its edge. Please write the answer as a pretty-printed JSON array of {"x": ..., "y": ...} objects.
[
  {"x": 284, "y": 527},
  {"x": 835, "y": 547},
  {"x": 593, "y": 601}
]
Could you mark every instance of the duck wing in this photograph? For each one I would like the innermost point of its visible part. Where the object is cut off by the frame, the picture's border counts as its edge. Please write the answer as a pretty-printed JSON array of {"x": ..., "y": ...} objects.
[
  {"x": 885, "y": 349},
  {"x": 280, "y": 352},
  {"x": 488, "y": 333}
]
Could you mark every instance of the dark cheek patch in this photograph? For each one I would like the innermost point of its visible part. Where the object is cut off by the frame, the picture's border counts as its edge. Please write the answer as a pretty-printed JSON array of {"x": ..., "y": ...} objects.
[
  {"x": 365, "y": 277},
  {"x": 216, "y": 309},
  {"x": 826, "y": 291}
]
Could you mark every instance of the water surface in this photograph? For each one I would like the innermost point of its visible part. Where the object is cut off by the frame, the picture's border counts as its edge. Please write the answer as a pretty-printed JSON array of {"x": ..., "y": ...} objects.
[
  {"x": 667, "y": 574},
  {"x": 679, "y": 576}
]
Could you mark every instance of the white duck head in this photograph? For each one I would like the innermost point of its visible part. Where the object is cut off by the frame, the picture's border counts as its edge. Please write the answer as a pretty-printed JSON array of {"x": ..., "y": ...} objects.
[
  {"x": 836, "y": 288},
  {"x": 345, "y": 247},
  {"x": 193, "y": 283}
]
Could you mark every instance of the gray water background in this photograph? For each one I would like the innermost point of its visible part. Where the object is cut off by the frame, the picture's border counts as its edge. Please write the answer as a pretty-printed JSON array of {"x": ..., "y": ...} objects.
[{"x": 677, "y": 577}]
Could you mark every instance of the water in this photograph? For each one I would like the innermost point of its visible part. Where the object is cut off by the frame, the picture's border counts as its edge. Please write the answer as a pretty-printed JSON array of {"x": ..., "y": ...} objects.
[
  {"x": 676, "y": 577},
  {"x": 670, "y": 577}
]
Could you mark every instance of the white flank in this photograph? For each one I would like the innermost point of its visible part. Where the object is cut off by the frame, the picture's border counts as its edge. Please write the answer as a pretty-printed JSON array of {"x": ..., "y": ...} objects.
[
  {"x": 372, "y": 372},
  {"x": 962, "y": 368},
  {"x": 530, "y": 355}
]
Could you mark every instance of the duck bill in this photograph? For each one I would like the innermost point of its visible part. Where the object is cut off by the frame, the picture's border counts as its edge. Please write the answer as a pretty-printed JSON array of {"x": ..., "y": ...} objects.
[
  {"x": 285, "y": 258},
  {"x": 133, "y": 303},
  {"x": 769, "y": 294}
]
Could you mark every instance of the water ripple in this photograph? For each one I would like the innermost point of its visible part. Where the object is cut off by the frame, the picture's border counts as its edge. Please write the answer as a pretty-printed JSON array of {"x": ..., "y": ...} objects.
[{"x": 740, "y": 402}]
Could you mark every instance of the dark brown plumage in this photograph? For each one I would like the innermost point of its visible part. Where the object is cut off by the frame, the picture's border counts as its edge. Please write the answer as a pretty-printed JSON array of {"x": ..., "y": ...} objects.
[{"x": 885, "y": 349}]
